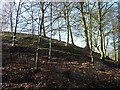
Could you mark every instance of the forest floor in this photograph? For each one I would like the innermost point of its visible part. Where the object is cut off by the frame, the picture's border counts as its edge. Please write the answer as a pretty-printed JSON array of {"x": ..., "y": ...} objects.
[{"x": 70, "y": 68}]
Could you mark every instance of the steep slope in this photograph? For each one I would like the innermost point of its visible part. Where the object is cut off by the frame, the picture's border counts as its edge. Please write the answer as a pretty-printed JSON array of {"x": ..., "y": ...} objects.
[{"x": 70, "y": 67}]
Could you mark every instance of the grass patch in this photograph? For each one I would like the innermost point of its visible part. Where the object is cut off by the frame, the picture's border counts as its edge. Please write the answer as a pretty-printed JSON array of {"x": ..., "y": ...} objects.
[{"x": 7, "y": 35}]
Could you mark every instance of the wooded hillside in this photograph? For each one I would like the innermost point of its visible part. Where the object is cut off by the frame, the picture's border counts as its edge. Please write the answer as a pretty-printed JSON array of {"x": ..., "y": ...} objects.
[{"x": 60, "y": 44}]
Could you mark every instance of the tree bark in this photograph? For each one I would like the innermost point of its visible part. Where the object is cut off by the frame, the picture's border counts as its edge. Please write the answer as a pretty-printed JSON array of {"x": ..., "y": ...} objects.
[
  {"x": 32, "y": 20},
  {"x": 50, "y": 40},
  {"x": 11, "y": 16},
  {"x": 36, "y": 58},
  {"x": 119, "y": 32},
  {"x": 114, "y": 45},
  {"x": 90, "y": 35},
  {"x": 58, "y": 24},
  {"x": 69, "y": 32},
  {"x": 100, "y": 30},
  {"x": 84, "y": 25},
  {"x": 42, "y": 20},
  {"x": 104, "y": 45},
  {"x": 17, "y": 19},
  {"x": 65, "y": 15}
]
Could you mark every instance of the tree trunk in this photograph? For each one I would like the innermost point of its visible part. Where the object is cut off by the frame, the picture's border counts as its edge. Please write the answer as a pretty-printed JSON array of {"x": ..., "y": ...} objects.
[
  {"x": 44, "y": 34},
  {"x": 100, "y": 30},
  {"x": 42, "y": 21},
  {"x": 69, "y": 32},
  {"x": 119, "y": 32},
  {"x": 59, "y": 30},
  {"x": 65, "y": 16},
  {"x": 36, "y": 58},
  {"x": 91, "y": 47},
  {"x": 104, "y": 46},
  {"x": 50, "y": 40},
  {"x": 85, "y": 26},
  {"x": 39, "y": 26},
  {"x": 32, "y": 22},
  {"x": 11, "y": 16},
  {"x": 69, "y": 28},
  {"x": 58, "y": 24},
  {"x": 17, "y": 19},
  {"x": 114, "y": 45},
  {"x": 40, "y": 35}
]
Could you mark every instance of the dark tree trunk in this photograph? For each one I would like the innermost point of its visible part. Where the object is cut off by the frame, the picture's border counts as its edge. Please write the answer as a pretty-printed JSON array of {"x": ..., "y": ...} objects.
[
  {"x": 85, "y": 26},
  {"x": 100, "y": 30}
]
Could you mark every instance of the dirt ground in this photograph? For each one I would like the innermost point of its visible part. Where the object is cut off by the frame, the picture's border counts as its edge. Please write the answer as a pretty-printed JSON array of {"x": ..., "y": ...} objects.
[{"x": 59, "y": 72}]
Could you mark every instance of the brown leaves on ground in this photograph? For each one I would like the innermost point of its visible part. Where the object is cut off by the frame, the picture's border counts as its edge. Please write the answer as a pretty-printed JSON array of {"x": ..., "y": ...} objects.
[{"x": 19, "y": 73}]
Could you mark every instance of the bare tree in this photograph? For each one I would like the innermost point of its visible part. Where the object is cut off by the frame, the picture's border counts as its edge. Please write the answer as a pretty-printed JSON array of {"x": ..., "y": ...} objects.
[
  {"x": 119, "y": 31},
  {"x": 90, "y": 32},
  {"x": 32, "y": 15},
  {"x": 11, "y": 16},
  {"x": 58, "y": 22},
  {"x": 101, "y": 16},
  {"x": 16, "y": 21},
  {"x": 41, "y": 32},
  {"x": 66, "y": 16},
  {"x": 84, "y": 25},
  {"x": 42, "y": 4},
  {"x": 50, "y": 40},
  {"x": 100, "y": 29}
]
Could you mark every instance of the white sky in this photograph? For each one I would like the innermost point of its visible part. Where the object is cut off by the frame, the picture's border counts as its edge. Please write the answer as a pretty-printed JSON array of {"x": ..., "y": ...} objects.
[
  {"x": 78, "y": 41},
  {"x": 64, "y": 0}
]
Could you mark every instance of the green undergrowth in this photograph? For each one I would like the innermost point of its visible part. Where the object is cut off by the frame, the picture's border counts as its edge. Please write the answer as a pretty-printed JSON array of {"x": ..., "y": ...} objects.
[{"x": 7, "y": 35}]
